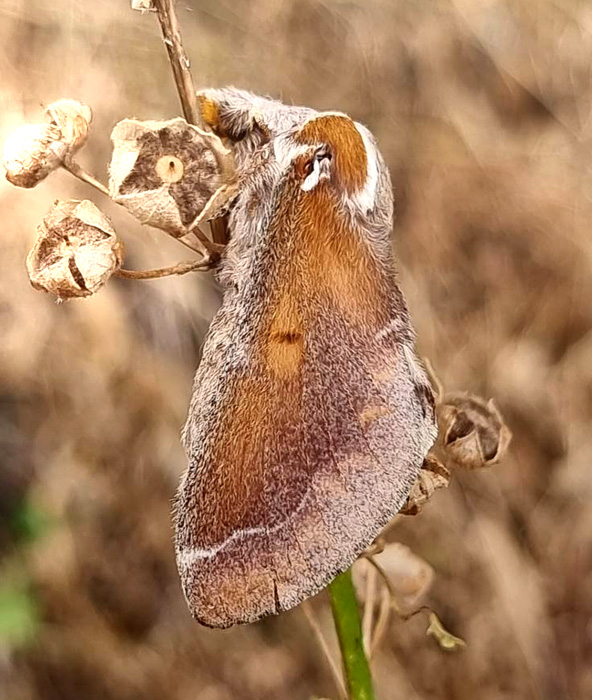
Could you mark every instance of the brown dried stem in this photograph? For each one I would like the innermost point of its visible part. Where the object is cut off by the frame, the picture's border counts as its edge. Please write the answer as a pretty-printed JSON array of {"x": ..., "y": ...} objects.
[
  {"x": 171, "y": 32},
  {"x": 368, "y": 617},
  {"x": 381, "y": 624},
  {"x": 75, "y": 169},
  {"x": 311, "y": 618},
  {"x": 179, "y": 269},
  {"x": 169, "y": 24}
]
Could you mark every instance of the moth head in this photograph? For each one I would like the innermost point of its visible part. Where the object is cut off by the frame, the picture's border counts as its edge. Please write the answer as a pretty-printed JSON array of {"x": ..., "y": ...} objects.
[
  {"x": 313, "y": 167},
  {"x": 331, "y": 150}
]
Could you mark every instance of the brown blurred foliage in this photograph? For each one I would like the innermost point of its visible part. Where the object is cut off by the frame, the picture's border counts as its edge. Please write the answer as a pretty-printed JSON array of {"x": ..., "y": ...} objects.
[{"x": 482, "y": 109}]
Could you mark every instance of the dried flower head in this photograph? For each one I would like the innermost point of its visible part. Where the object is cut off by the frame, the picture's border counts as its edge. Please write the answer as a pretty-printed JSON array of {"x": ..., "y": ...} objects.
[
  {"x": 144, "y": 5},
  {"x": 73, "y": 120},
  {"x": 32, "y": 152},
  {"x": 433, "y": 476},
  {"x": 76, "y": 250},
  {"x": 409, "y": 575},
  {"x": 473, "y": 431},
  {"x": 163, "y": 173}
]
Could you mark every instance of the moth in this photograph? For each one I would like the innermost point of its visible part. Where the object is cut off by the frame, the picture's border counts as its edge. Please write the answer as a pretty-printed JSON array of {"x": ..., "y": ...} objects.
[{"x": 311, "y": 414}]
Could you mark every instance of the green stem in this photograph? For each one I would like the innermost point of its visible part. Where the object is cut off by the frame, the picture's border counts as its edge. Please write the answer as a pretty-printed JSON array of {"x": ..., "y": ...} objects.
[{"x": 349, "y": 631}]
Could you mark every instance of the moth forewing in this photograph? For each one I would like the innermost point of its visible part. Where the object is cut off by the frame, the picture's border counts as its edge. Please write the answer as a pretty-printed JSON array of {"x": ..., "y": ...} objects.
[{"x": 310, "y": 415}]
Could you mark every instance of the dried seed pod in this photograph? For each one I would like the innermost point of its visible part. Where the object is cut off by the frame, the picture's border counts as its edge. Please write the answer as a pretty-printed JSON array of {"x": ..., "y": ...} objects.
[
  {"x": 472, "y": 430},
  {"x": 409, "y": 575},
  {"x": 72, "y": 119},
  {"x": 163, "y": 173},
  {"x": 144, "y": 5},
  {"x": 32, "y": 152},
  {"x": 76, "y": 250},
  {"x": 433, "y": 476}
]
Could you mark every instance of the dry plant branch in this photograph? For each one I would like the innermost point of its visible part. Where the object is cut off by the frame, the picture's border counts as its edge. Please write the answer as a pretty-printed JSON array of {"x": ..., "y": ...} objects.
[
  {"x": 71, "y": 166},
  {"x": 171, "y": 33},
  {"x": 181, "y": 268},
  {"x": 380, "y": 627},
  {"x": 169, "y": 24},
  {"x": 74, "y": 168},
  {"x": 311, "y": 618},
  {"x": 445, "y": 639},
  {"x": 368, "y": 616},
  {"x": 78, "y": 171}
]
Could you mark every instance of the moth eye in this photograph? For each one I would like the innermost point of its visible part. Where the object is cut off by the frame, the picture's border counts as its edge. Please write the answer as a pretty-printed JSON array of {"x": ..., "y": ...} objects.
[{"x": 169, "y": 168}]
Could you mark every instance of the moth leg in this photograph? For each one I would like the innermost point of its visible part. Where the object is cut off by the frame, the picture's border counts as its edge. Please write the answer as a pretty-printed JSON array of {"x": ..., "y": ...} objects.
[
  {"x": 217, "y": 202},
  {"x": 230, "y": 114}
]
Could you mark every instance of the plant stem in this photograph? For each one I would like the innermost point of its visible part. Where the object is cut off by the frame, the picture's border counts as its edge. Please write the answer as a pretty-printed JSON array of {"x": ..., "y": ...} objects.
[
  {"x": 349, "y": 631},
  {"x": 307, "y": 609},
  {"x": 171, "y": 34},
  {"x": 72, "y": 167},
  {"x": 179, "y": 269},
  {"x": 178, "y": 59}
]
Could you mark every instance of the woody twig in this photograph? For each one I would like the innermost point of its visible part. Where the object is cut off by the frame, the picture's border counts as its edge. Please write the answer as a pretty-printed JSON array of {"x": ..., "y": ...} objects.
[
  {"x": 171, "y": 33},
  {"x": 179, "y": 269}
]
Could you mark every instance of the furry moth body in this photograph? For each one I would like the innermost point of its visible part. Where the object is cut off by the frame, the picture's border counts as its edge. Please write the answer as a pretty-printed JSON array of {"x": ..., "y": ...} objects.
[{"x": 311, "y": 414}]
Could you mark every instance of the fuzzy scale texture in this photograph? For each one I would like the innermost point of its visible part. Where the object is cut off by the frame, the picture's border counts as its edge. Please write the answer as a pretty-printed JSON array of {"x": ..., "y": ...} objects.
[{"x": 311, "y": 414}]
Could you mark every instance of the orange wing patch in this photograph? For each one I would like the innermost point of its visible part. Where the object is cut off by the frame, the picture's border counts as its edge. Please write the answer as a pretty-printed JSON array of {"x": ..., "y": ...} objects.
[
  {"x": 247, "y": 458},
  {"x": 347, "y": 147},
  {"x": 339, "y": 261},
  {"x": 285, "y": 337},
  {"x": 285, "y": 353}
]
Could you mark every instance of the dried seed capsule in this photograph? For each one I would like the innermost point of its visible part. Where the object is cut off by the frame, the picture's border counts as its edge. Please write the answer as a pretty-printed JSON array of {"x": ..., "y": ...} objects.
[
  {"x": 144, "y": 5},
  {"x": 72, "y": 119},
  {"x": 433, "y": 476},
  {"x": 409, "y": 575},
  {"x": 163, "y": 173},
  {"x": 76, "y": 250},
  {"x": 32, "y": 152},
  {"x": 473, "y": 431}
]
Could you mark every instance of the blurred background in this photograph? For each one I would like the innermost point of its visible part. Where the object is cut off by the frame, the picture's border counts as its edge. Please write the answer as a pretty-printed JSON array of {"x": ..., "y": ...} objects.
[{"x": 483, "y": 111}]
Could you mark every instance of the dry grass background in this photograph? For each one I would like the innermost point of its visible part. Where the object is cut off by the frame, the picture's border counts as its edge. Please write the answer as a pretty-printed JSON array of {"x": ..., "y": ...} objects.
[{"x": 483, "y": 110}]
